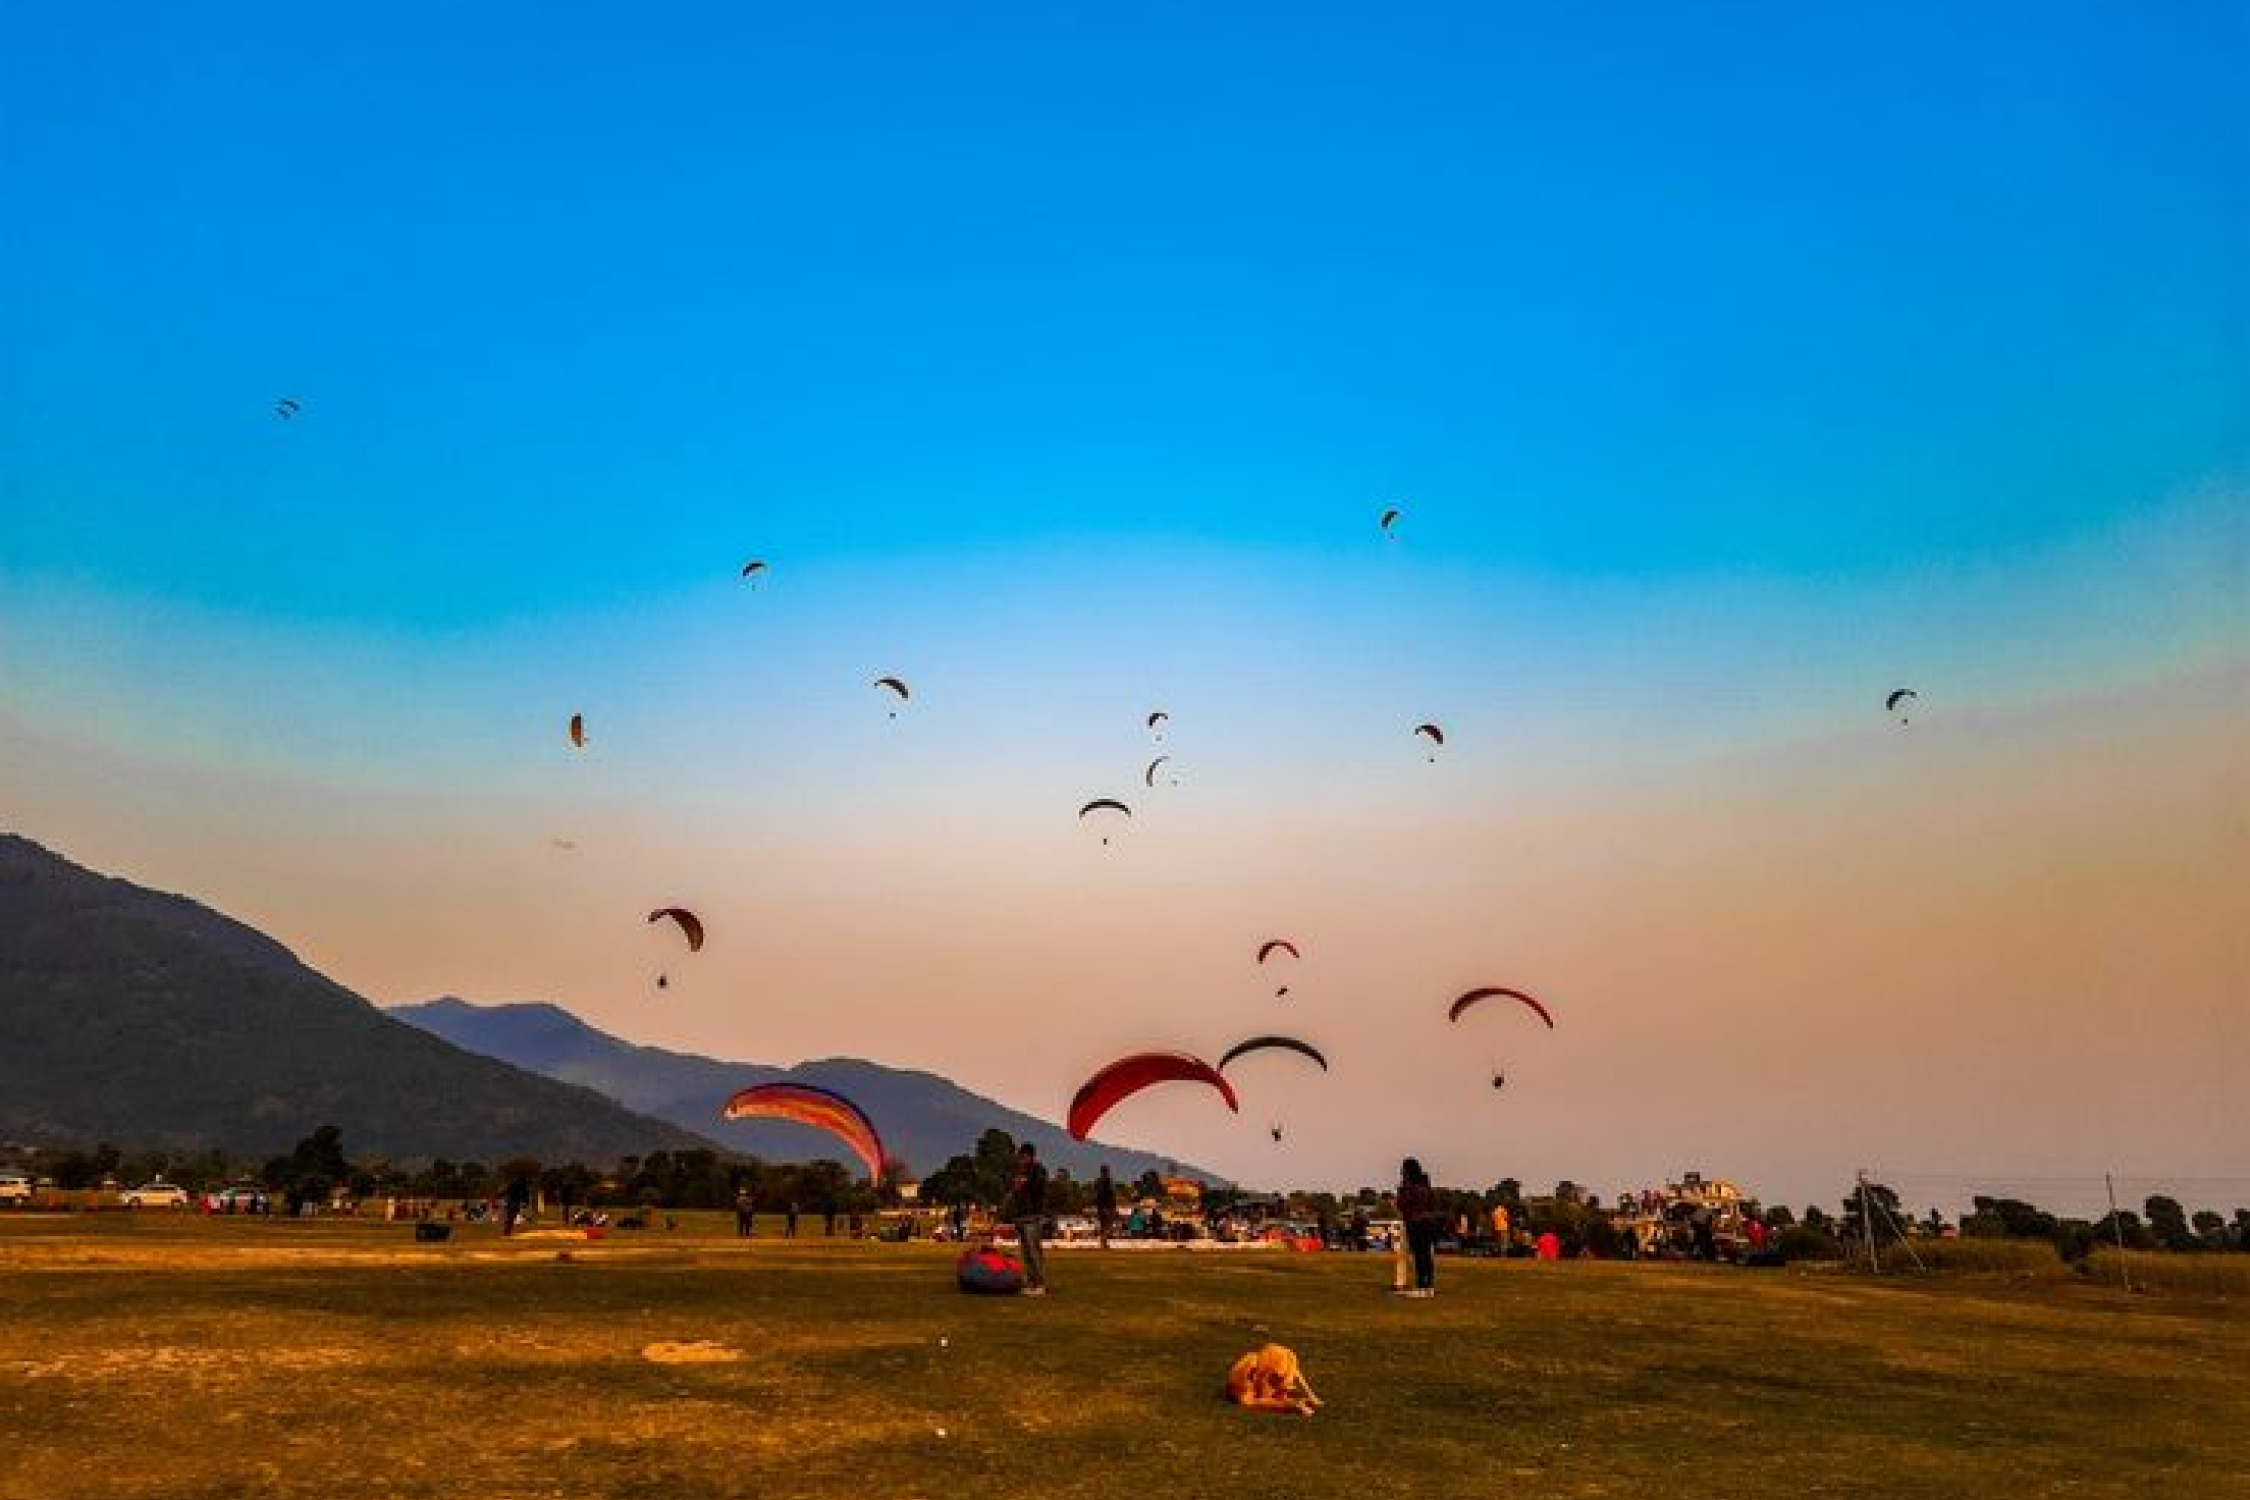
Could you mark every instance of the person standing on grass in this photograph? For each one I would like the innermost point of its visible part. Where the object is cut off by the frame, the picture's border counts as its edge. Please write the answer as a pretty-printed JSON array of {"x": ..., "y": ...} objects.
[
  {"x": 745, "y": 1215},
  {"x": 1105, "y": 1203},
  {"x": 1418, "y": 1207},
  {"x": 1027, "y": 1209},
  {"x": 789, "y": 1222},
  {"x": 512, "y": 1207}
]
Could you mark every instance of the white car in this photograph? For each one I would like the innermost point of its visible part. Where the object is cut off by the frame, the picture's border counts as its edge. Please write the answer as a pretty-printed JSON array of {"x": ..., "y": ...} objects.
[
  {"x": 156, "y": 1195},
  {"x": 14, "y": 1188}
]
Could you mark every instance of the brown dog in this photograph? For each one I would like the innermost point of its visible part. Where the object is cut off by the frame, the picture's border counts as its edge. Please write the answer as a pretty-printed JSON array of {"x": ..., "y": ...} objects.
[{"x": 1270, "y": 1379}]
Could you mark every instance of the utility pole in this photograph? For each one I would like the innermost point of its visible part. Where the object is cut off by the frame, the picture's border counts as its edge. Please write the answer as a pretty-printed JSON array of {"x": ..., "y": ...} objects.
[
  {"x": 1867, "y": 1225},
  {"x": 2117, "y": 1223}
]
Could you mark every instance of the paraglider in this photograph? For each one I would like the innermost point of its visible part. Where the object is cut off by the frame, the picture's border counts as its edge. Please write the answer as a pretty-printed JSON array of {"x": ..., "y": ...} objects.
[
  {"x": 822, "y": 1109},
  {"x": 1265, "y": 1043},
  {"x": 1477, "y": 997},
  {"x": 1148, "y": 777},
  {"x": 752, "y": 569},
  {"x": 1268, "y": 949},
  {"x": 1129, "y": 1075},
  {"x": 1495, "y": 992},
  {"x": 896, "y": 686},
  {"x": 1276, "y": 1129},
  {"x": 1900, "y": 696},
  {"x": 1157, "y": 720},
  {"x": 1434, "y": 735},
  {"x": 1104, "y": 805},
  {"x": 286, "y": 408},
  {"x": 690, "y": 924},
  {"x": 578, "y": 731},
  {"x": 1390, "y": 519}
]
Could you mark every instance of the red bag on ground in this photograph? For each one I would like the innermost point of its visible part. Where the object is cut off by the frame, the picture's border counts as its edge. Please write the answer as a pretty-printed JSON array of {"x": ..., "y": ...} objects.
[{"x": 986, "y": 1270}]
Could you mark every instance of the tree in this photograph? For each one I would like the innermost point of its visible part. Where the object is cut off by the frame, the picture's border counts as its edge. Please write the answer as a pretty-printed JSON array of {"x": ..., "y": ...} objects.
[
  {"x": 313, "y": 1166},
  {"x": 2168, "y": 1222},
  {"x": 955, "y": 1182},
  {"x": 996, "y": 1166}
]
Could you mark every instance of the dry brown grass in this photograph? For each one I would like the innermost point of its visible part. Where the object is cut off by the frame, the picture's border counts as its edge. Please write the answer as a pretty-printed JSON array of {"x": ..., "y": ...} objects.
[
  {"x": 180, "y": 1358},
  {"x": 2214, "y": 1274}
]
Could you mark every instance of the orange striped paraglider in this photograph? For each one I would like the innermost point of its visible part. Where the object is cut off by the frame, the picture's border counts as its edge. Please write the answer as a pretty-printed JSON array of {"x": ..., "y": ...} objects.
[{"x": 822, "y": 1109}]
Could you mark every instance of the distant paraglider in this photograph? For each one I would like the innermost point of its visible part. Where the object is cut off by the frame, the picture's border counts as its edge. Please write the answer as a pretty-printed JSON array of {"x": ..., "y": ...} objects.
[
  {"x": 690, "y": 924},
  {"x": 1268, "y": 949},
  {"x": 1390, "y": 520},
  {"x": 1106, "y": 806},
  {"x": 1898, "y": 697},
  {"x": 1434, "y": 735},
  {"x": 578, "y": 731},
  {"x": 752, "y": 569},
  {"x": 1148, "y": 777},
  {"x": 1477, "y": 997},
  {"x": 894, "y": 685},
  {"x": 1157, "y": 721},
  {"x": 287, "y": 408},
  {"x": 1264, "y": 1043},
  {"x": 1129, "y": 1075},
  {"x": 1461, "y": 1006},
  {"x": 822, "y": 1109}
]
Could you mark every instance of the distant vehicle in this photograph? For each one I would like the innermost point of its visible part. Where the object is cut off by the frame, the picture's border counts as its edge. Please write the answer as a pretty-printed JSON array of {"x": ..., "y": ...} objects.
[
  {"x": 238, "y": 1200},
  {"x": 156, "y": 1195},
  {"x": 14, "y": 1188}
]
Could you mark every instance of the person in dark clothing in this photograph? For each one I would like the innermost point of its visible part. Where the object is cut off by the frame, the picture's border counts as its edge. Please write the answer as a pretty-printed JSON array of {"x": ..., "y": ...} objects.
[
  {"x": 789, "y": 1222},
  {"x": 1105, "y": 1203},
  {"x": 745, "y": 1215},
  {"x": 828, "y": 1219},
  {"x": 1027, "y": 1210},
  {"x": 513, "y": 1205},
  {"x": 1418, "y": 1207}
]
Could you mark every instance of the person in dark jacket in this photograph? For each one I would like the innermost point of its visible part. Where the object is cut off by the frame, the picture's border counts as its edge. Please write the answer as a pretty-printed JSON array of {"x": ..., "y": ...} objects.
[
  {"x": 514, "y": 1204},
  {"x": 1418, "y": 1207},
  {"x": 1105, "y": 1203},
  {"x": 1027, "y": 1210}
]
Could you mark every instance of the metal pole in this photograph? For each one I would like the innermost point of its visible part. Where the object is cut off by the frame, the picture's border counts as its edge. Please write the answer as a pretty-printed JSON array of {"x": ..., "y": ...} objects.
[
  {"x": 1867, "y": 1226},
  {"x": 2124, "y": 1274}
]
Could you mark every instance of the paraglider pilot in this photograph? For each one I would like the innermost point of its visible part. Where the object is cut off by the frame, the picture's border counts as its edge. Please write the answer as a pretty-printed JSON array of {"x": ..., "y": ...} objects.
[{"x": 1027, "y": 1209}]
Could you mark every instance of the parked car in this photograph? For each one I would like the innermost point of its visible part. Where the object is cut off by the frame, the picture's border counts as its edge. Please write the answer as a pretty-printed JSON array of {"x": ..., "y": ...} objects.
[
  {"x": 14, "y": 1188},
  {"x": 238, "y": 1200},
  {"x": 156, "y": 1195}
]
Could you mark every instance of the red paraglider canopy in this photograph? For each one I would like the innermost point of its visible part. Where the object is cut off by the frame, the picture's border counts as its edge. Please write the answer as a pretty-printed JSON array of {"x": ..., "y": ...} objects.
[{"x": 1129, "y": 1075}]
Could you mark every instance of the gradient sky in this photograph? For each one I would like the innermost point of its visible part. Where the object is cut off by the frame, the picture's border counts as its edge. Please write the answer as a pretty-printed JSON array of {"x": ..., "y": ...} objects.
[{"x": 1732, "y": 367}]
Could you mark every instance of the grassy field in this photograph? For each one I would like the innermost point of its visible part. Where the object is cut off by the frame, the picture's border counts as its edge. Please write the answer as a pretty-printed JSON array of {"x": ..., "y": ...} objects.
[{"x": 165, "y": 1356}]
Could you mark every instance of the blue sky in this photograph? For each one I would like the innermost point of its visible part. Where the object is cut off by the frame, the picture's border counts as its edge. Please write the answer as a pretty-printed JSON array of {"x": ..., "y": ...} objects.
[
  {"x": 583, "y": 309},
  {"x": 1731, "y": 366}
]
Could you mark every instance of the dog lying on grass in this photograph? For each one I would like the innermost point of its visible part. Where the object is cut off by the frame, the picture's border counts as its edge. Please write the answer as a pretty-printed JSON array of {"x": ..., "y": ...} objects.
[{"x": 1270, "y": 1379}]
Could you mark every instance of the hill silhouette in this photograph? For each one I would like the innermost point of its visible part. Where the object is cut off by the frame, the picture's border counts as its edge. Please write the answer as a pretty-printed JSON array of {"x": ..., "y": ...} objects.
[
  {"x": 148, "y": 1020},
  {"x": 924, "y": 1118}
]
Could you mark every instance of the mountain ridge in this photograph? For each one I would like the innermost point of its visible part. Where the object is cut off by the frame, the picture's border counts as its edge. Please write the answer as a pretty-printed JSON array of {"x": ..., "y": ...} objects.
[
  {"x": 924, "y": 1117},
  {"x": 146, "y": 1018}
]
